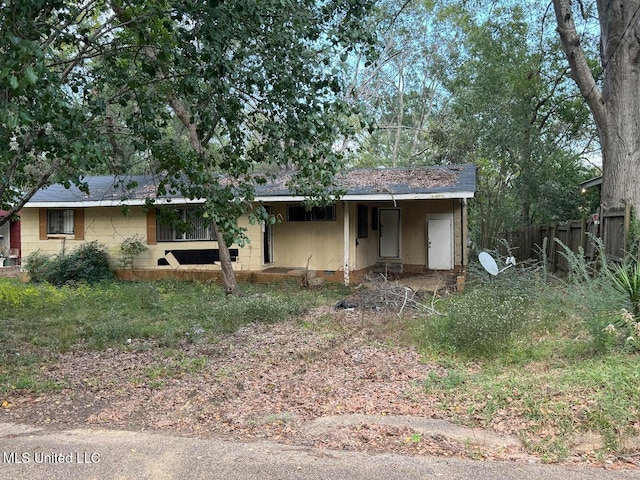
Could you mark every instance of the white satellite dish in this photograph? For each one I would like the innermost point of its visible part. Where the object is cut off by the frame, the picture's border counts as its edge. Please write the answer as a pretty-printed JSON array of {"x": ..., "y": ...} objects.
[{"x": 490, "y": 265}]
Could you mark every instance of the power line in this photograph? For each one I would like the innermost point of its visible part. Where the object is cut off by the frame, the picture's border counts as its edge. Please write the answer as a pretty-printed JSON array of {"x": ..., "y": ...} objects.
[
  {"x": 621, "y": 36},
  {"x": 615, "y": 49}
]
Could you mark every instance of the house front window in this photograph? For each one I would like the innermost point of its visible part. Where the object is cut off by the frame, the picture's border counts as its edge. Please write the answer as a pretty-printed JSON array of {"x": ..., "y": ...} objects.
[
  {"x": 60, "y": 222},
  {"x": 298, "y": 213},
  {"x": 363, "y": 221},
  {"x": 184, "y": 224}
]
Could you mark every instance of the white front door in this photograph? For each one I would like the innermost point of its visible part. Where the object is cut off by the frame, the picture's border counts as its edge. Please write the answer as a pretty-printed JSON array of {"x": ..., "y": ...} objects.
[
  {"x": 440, "y": 241},
  {"x": 389, "y": 232}
]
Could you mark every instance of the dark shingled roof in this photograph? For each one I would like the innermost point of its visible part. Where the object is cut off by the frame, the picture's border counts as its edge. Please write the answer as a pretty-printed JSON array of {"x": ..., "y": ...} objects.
[
  {"x": 434, "y": 180},
  {"x": 102, "y": 188},
  {"x": 396, "y": 181}
]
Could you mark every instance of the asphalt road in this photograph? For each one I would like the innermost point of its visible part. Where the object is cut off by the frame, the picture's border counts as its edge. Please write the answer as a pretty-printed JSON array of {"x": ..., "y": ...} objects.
[{"x": 34, "y": 453}]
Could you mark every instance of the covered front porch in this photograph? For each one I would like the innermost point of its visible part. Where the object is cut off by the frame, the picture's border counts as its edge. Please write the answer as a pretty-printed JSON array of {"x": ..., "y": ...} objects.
[
  {"x": 356, "y": 238},
  {"x": 406, "y": 220}
]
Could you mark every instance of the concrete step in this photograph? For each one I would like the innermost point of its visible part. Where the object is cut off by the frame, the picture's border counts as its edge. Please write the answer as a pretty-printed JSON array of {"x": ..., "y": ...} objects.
[{"x": 387, "y": 267}]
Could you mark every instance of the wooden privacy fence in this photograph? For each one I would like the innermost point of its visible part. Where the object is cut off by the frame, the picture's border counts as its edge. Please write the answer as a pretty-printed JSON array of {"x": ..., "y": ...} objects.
[{"x": 611, "y": 225}]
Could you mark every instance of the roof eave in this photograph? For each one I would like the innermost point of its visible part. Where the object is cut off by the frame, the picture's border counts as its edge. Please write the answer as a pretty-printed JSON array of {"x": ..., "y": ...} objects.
[
  {"x": 112, "y": 203},
  {"x": 594, "y": 182},
  {"x": 376, "y": 197}
]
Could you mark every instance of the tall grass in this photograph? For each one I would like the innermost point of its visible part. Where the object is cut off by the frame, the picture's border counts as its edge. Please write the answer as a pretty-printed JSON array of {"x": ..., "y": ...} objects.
[
  {"x": 551, "y": 351},
  {"x": 489, "y": 318}
]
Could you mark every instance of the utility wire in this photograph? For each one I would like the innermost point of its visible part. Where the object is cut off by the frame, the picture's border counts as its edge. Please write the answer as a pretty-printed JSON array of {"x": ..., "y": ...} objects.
[{"x": 615, "y": 49}]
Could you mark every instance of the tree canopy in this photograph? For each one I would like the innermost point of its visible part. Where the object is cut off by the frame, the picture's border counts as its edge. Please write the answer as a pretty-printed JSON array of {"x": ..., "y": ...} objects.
[
  {"x": 215, "y": 97},
  {"x": 183, "y": 88},
  {"x": 484, "y": 82}
]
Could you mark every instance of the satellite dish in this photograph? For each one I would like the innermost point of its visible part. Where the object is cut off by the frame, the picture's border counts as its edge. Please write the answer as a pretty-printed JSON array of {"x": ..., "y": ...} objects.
[{"x": 490, "y": 265}]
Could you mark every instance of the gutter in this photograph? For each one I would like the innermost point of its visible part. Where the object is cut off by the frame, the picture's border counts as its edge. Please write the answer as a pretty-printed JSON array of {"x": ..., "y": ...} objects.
[{"x": 259, "y": 198}]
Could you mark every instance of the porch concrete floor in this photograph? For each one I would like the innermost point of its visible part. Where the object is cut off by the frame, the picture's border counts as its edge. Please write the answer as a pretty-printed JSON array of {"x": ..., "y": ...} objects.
[
  {"x": 283, "y": 270},
  {"x": 430, "y": 282}
]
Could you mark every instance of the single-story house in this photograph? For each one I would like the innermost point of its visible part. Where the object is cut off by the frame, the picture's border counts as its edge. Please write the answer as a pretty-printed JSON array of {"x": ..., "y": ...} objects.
[{"x": 409, "y": 220}]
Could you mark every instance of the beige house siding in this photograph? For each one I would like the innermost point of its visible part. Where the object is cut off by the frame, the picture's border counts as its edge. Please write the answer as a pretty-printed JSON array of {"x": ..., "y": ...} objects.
[
  {"x": 413, "y": 235},
  {"x": 250, "y": 257},
  {"x": 110, "y": 227},
  {"x": 320, "y": 243}
]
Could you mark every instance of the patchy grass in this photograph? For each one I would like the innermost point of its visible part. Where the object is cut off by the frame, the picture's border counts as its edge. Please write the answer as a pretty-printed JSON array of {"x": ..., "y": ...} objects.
[
  {"x": 516, "y": 355},
  {"x": 41, "y": 321},
  {"x": 547, "y": 406}
]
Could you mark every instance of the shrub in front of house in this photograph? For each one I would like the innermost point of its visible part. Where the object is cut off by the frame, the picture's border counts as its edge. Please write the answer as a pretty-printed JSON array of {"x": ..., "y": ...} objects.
[
  {"x": 37, "y": 265},
  {"x": 88, "y": 263}
]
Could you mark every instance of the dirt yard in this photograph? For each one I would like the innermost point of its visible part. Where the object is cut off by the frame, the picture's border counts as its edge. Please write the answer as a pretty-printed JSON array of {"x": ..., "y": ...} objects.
[
  {"x": 265, "y": 381},
  {"x": 324, "y": 380}
]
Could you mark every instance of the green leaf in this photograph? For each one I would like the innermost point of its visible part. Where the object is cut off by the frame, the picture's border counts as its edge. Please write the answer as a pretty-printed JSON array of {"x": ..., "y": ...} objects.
[{"x": 30, "y": 76}]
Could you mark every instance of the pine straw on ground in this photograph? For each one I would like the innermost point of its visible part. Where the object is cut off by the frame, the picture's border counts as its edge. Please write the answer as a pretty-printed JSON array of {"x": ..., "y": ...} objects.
[{"x": 263, "y": 382}]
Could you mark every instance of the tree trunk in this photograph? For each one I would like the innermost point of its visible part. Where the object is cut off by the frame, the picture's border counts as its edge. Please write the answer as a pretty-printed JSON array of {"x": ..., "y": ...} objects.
[
  {"x": 615, "y": 109},
  {"x": 620, "y": 140},
  {"x": 619, "y": 130},
  {"x": 400, "y": 120},
  {"x": 184, "y": 115},
  {"x": 228, "y": 275}
]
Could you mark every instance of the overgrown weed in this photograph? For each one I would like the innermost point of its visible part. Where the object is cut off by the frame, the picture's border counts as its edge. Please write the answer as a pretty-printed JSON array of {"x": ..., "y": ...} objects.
[{"x": 533, "y": 348}]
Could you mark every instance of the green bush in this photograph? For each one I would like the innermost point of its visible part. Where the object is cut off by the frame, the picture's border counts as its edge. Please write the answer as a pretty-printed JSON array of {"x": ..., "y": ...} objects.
[
  {"x": 89, "y": 263},
  {"x": 626, "y": 279},
  {"x": 596, "y": 304},
  {"x": 624, "y": 328},
  {"x": 37, "y": 264},
  {"x": 15, "y": 295},
  {"x": 598, "y": 291},
  {"x": 130, "y": 248}
]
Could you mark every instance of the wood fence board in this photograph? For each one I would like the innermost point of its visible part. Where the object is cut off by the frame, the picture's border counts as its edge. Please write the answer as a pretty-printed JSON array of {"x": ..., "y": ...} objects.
[{"x": 611, "y": 228}]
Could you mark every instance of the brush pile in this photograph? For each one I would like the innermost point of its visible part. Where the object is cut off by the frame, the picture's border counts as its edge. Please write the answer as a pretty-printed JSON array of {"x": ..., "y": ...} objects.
[{"x": 380, "y": 295}]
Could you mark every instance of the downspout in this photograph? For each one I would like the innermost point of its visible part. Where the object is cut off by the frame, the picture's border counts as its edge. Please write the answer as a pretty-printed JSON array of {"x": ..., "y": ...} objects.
[{"x": 347, "y": 243}]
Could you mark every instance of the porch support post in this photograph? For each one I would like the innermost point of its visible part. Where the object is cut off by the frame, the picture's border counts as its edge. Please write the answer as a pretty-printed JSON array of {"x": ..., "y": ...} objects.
[{"x": 347, "y": 243}]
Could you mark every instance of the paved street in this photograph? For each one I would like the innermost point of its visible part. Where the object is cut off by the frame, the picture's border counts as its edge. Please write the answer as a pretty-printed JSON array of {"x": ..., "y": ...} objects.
[{"x": 33, "y": 453}]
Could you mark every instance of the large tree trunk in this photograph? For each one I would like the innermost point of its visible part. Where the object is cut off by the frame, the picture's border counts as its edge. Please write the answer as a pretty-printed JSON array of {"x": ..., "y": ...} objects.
[
  {"x": 615, "y": 109},
  {"x": 620, "y": 139},
  {"x": 619, "y": 130}
]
